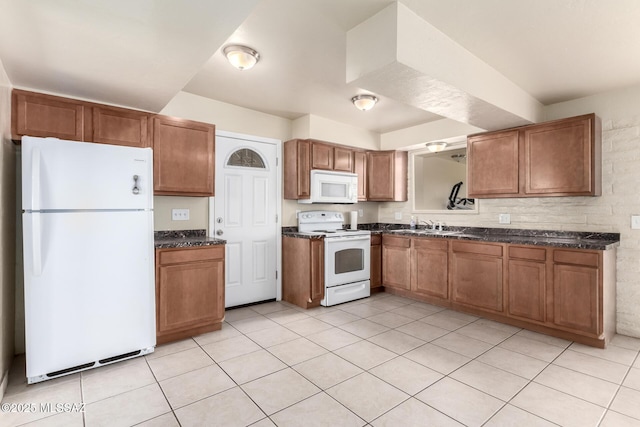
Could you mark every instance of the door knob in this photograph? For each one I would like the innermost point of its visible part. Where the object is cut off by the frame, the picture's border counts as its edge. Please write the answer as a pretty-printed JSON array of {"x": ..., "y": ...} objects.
[{"x": 219, "y": 232}]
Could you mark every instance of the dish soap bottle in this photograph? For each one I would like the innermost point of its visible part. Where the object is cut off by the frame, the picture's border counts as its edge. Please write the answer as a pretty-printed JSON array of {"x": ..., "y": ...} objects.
[{"x": 412, "y": 223}]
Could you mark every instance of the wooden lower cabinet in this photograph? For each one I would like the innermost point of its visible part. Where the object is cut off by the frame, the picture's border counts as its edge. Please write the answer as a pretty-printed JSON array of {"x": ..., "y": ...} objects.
[
  {"x": 303, "y": 271},
  {"x": 396, "y": 262},
  {"x": 577, "y": 292},
  {"x": 476, "y": 275},
  {"x": 527, "y": 279},
  {"x": 429, "y": 267},
  {"x": 376, "y": 262},
  {"x": 568, "y": 293},
  {"x": 189, "y": 292}
]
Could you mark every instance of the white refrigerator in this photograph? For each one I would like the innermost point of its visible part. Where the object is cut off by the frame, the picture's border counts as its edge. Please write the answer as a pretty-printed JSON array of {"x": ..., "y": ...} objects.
[{"x": 89, "y": 284}]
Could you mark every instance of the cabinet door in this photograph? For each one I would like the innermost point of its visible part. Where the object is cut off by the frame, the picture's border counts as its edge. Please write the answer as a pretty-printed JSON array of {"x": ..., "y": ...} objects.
[
  {"x": 476, "y": 275},
  {"x": 183, "y": 157},
  {"x": 44, "y": 115},
  {"x": 492, "y": 168},
  {"x": 576, "y": 305},
  {"x": 376, "y": 262},
  {"x": 396, "y": 262},
  {"x": 559, "y": 158},
  {"x": 429, "y": 266},
  {"x": 317, "y": 270},
  {"x": 342, "y": 159},
  {"x": 304, "y": 169},
  {"x": 190, "y": 295},
  {"x": 527, "y": 289},
  {"x": 360, "y": 168},
  {"x": 321, "y": 156},
  {"x": 121, "y": 127},
  {"x": 387, "y": 176}
]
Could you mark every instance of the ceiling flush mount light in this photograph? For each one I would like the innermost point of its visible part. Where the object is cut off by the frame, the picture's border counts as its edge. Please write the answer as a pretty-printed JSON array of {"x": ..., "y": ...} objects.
[
  {"x": 241, "y": 57},
  {"x": 436, "y": 146},
  {"x": 364, "y": 102}
]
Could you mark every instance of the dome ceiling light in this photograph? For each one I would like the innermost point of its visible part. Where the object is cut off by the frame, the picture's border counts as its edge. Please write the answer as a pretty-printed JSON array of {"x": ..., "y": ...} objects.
[
  {"x": 241, "y": 57},
  {"x": 364, "y": 102},
  {"x": 436, "y": 146}
]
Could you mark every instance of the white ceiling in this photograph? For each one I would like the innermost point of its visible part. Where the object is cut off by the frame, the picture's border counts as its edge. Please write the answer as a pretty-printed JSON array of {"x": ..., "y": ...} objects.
[{"x": 141, "y": 53}]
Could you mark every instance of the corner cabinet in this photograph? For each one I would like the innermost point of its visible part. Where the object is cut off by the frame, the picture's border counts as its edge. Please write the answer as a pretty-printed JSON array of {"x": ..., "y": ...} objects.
[
  {"x": 189, "y": 292},
  {"x": 557, "y": 158},
  {"x": 183, "y": 157},
  {"x": 387, "y": 176},
  {"x": 303, "y": 271}
]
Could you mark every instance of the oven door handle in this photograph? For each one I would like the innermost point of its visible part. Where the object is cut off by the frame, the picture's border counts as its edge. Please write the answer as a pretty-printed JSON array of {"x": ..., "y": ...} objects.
[{"x": 346, "y": 239}]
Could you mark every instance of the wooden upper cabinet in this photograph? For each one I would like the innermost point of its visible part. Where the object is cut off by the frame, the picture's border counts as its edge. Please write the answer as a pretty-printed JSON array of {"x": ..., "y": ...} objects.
[
  {"x": 297, "y": 169},
  {"x": 36, "y": 114},
  {"x": 120, "y": 126},
  {"x": 321, "y": 156},
  {"x": 492, "y": 168},
  {"x": 360, "y": 168},
  {"x": 557, "y": 158},
  {"x": 342, "y": 159},
  {"x": 183, "y": 157},
  {"x": 387, "y": 176}
]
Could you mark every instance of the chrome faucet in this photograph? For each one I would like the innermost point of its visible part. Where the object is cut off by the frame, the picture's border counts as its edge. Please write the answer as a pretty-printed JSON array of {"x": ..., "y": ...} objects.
[{"x": 429, "y": 224}]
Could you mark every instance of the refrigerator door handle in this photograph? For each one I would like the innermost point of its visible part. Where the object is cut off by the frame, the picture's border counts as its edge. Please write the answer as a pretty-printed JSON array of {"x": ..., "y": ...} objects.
[
  {"x": 36, "y": 243},
  {"x": 35, "y": 179}
]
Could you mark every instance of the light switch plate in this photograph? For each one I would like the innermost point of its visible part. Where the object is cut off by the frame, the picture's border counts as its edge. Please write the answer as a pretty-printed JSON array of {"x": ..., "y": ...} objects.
[
  {"x": 504, "y": 218},
  {"x": 180, "y": 214},
  {"x": 635, "y": 222},
  {"x": 398, "y": 215}
]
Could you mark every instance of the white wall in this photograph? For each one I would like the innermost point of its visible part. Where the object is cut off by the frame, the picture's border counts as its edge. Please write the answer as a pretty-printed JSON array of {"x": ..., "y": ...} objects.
[{"x": 7, "y": 232}]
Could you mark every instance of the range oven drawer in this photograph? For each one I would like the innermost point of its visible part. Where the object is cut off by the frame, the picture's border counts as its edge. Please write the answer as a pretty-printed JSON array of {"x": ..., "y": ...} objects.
[{"x": 344, "y": 293}]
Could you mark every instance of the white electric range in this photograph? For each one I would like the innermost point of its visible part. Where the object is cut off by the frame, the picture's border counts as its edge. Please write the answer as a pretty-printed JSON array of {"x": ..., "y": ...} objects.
[{"x": 346, "y": 254}]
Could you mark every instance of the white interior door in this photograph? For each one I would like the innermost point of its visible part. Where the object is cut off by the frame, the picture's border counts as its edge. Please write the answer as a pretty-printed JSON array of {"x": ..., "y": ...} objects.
[{"x": 245, "y": 215}]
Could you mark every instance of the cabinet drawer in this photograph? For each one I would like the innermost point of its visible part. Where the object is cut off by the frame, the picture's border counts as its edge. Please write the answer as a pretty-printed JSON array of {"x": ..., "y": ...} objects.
[
  {"x": 401, "y": 242},
  {"x": 575, "y": 257},
  {"x": 376, "y": 239},
  {"x": 436, "y": 244},
  {"x": 190, "y": 254},
  {"x": 535, "y": 254},
  {"x": 477, "y": 248}
]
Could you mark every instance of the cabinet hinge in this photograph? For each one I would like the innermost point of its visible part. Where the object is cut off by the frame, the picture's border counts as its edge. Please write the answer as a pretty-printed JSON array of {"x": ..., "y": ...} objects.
[
  {"x": 277, "y": 161},
  {"x": 276, "y": 274},
  {"x": 276, "y": 218}
]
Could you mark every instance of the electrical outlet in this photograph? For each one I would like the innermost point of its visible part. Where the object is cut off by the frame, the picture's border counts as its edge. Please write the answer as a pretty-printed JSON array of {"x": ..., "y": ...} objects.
[
  {"x": 635, "y": 222},
  {"x": 398, "y": 215},
  {"x": 180, "y": 214},
  {"x": 504, "y": 219},
  {"x": 360, "y": 213}
]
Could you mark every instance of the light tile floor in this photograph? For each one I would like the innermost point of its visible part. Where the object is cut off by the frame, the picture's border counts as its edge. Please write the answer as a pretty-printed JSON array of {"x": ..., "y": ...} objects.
[{"x": 382, "y": 361}]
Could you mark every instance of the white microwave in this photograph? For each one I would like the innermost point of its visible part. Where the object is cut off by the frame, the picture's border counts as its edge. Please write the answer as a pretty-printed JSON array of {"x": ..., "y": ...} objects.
[{"x": 332, "y": 187}]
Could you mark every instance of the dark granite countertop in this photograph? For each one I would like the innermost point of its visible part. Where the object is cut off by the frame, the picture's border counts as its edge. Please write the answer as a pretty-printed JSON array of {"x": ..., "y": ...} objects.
[
  {"x": 293, "y": 232},
  {"x": 184, "y": 239},
  {"x": 561, "y": 239}
]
